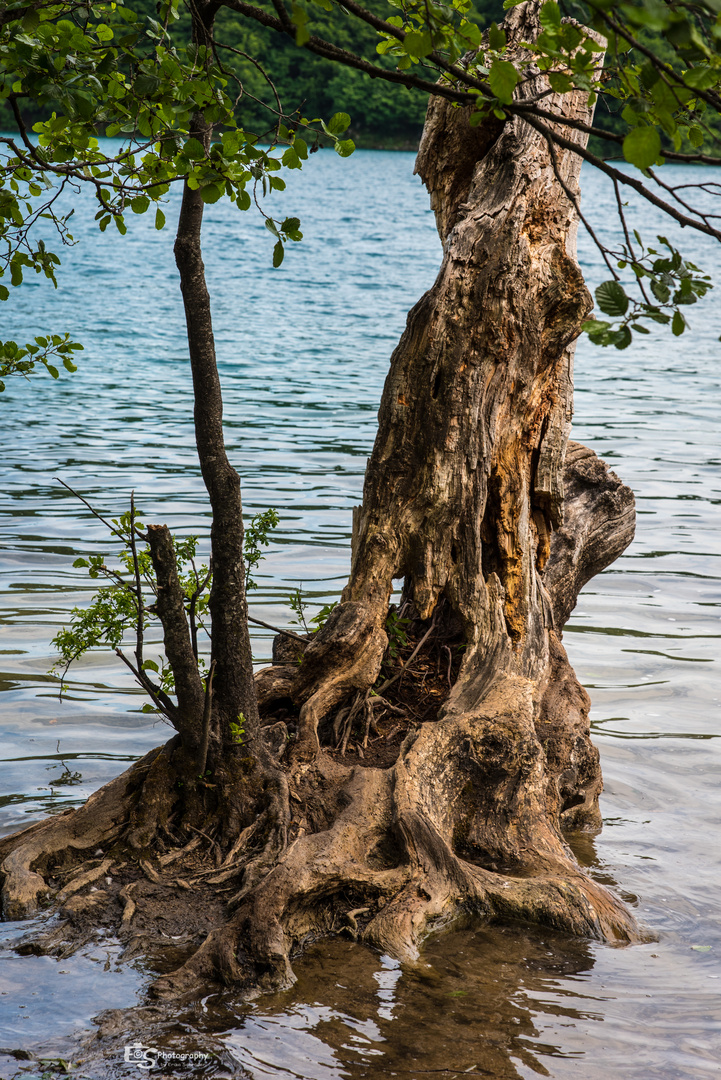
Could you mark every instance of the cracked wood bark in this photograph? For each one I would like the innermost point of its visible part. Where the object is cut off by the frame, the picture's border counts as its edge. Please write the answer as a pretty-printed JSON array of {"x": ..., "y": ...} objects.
[{"x": 463, "y": 489}]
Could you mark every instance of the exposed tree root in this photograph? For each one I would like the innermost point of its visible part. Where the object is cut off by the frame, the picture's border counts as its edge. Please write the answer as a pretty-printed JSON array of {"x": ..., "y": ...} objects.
[
  {"x": 26, "y": 856},
  {"x": 467, "y": 819},
  {"x": 458, "y": 824}
]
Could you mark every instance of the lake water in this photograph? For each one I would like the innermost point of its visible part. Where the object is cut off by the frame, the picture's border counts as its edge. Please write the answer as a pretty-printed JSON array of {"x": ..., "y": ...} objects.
[{"x": 304, "y": 352}]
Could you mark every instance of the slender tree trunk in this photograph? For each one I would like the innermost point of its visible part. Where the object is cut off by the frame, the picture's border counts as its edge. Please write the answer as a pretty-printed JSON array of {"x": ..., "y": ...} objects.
[{"x": 233, "y": 685}]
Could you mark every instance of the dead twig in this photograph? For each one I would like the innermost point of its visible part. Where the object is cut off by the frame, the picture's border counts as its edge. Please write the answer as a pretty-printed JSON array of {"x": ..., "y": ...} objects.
[
  {"x": 350, "y": 917},
  {"x": 369, "y": 721},
  {"x": 446, "y": 648},
  {"x": 200, "y": 832},
  {"x": 411, "y": 658},
  {"x": 173, "y": 856},
  {"x": 277, "y": 630},
  {"x": 150, "y": 873},
  {"x": 129, "y": 903}
]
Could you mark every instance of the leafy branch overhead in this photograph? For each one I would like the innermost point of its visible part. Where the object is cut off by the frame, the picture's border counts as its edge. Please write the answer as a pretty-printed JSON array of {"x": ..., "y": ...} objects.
[
  {"x": 104, "y": 69},
  {"x": 92, "y": 69},
  {"x": 667, "y": 283}
]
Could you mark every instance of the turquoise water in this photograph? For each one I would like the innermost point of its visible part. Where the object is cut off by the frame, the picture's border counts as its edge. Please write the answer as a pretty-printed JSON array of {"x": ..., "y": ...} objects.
[{"x": 304, "y": 352}]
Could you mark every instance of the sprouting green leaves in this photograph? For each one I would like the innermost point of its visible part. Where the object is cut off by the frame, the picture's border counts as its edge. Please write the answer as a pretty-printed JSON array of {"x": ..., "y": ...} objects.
[
  {"x": 257, "y": 535},
  {"x": 23, "y": 359}
]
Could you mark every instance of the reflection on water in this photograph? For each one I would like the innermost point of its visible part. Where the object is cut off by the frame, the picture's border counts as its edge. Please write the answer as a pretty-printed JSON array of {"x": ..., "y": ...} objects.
[
  {"x": 468, "y": 1008},
  {"x": 462, "y": 1009},
  {"x": 304, "y": 352}
]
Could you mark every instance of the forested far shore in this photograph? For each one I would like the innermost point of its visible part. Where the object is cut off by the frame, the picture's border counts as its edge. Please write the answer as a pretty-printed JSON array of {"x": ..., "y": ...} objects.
[{"x": 384, "y": 116}]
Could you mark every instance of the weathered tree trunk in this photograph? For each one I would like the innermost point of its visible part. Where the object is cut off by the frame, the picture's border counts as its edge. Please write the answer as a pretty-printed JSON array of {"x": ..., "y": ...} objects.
[{"x": 475, "y": 498}]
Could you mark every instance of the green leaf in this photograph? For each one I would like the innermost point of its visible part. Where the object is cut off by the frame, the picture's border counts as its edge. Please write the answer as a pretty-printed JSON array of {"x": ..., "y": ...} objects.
[
  {"x": 594, "y": 326},
  {"x": 211, "y": 193},
  {"x": 550, "y": 15},
  {"x": 660, "y": 291},
  {"x": 418, "y": 44},
  {"x": 622, "y": 338},
  {"x": 81, "y": 562},
  {"x": 290, "y": 159},
  {"x": 345, "y": 147},
  {"x": 338, "y": 123},
  {"x": 642, "y": 147},
  {"x": 695, "y": 135},
  {"x": 611, "y": 298},
  {"x": 496, "y": 38},
  {"x": 278, "y": 254},
  {"x": 678, "y": 324},
  {"x": 194, "y": 150},
  {"x": 159, "y": 219},
  {"x": 560, "y": 82},
  {"x": 503, "y": 78},
  {"x": 146, "y": 85},
  {"x": 150, "y": 665},
  {"x": 4, "y": 292},
  {"x": 701, "y": 78},
  {"x": 299, "y": 18},
  {"x": 31, "y": 22}
]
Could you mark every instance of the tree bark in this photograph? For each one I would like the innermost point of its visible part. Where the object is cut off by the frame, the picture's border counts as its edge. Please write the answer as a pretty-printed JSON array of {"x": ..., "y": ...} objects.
[{"x": 464, "y": 487}]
